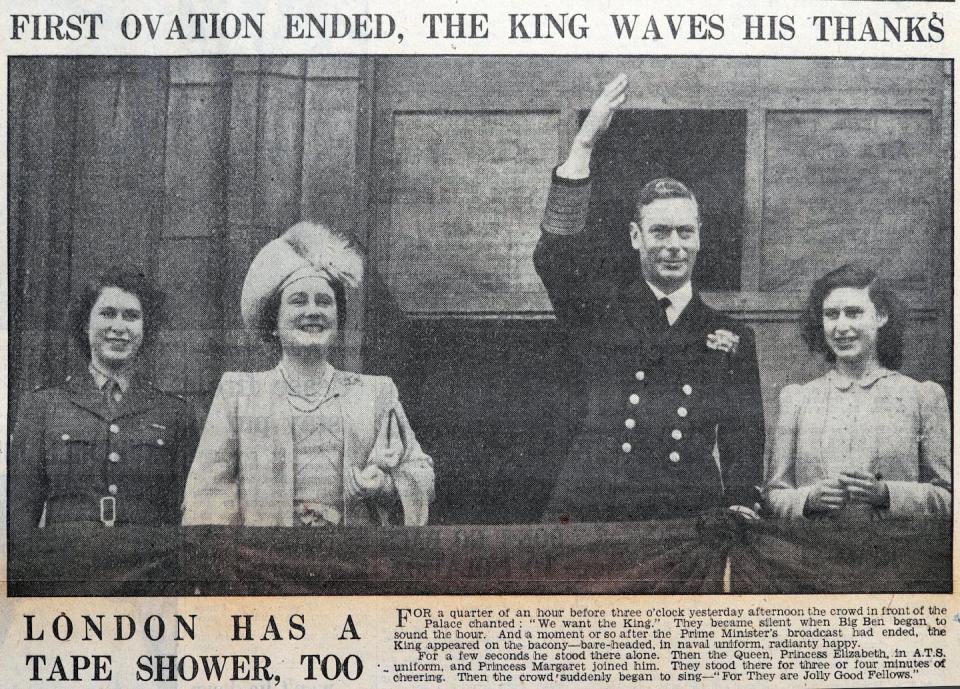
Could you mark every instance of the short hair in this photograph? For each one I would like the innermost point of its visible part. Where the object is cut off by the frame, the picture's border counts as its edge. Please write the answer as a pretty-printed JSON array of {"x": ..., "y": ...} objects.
[
  {"x": 661, "y": 188},
  {"x": 128, "y": 279},
  {"x": 884, "y": 299},
  {"x": 271, "y": 311}
]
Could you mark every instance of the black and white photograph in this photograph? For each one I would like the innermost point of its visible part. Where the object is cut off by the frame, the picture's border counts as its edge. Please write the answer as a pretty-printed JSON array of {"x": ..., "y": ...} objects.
[{"x": 310, "y": 325}]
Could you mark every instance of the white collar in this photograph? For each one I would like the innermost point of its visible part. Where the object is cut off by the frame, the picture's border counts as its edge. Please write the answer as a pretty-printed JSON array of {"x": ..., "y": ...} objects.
[
  {"x": 842, "y": 382},
  {"x": 679, "y": 299}
]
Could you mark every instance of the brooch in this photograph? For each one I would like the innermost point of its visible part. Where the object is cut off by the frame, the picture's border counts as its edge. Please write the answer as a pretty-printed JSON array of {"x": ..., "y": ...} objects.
[{"x": 724, "y": 341}]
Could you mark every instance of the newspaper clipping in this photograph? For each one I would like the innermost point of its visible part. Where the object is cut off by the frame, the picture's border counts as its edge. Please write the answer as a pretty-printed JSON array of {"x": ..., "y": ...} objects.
[{"x": 461, "y": 343}]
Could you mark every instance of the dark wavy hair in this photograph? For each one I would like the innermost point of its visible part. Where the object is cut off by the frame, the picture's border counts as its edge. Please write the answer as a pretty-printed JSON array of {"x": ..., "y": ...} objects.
[
  {"x": 661, "y": 188},
  {"x": 271, "y": 311},
  {"x": 128, "y": 279},
  {"x": 885, "y": 300}
]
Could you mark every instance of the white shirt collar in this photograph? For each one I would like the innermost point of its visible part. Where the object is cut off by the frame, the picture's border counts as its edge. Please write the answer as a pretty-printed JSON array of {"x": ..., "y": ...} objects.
[{"x": 678, "y": 300}]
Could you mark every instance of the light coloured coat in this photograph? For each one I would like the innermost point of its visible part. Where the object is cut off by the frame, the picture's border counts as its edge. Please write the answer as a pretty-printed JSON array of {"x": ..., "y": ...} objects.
[
  {"x": 243, "y": 470},
  {"x": 902, "y": 436}
]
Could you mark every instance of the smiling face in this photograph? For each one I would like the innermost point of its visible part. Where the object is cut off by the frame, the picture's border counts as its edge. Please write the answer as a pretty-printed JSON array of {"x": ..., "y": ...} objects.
[
  {"x": 307, "y": 319},
  {"x": 668, "y": 239},
  {"x": 115, "y": 329},
  {"x": 851, "y": 324}
]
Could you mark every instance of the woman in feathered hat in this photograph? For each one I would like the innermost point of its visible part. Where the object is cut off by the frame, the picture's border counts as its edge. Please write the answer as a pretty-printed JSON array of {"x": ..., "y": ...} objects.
[{"x": 305, "y": 443}]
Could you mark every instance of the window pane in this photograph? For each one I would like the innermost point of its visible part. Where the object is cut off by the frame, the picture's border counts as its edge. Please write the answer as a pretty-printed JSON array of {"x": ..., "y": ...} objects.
[{"x": 847, "y": 186}]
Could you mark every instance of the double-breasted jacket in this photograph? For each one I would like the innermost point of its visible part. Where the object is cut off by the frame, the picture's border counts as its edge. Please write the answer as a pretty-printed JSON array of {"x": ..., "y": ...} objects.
[{"x": 664, "y": 425}]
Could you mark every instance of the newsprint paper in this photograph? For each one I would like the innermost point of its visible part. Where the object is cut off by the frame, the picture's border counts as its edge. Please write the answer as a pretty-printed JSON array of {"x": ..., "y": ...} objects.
[{"x": 479, "y": 343}]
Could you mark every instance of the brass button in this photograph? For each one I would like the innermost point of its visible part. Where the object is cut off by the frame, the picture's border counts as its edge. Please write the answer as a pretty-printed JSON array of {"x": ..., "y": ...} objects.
[
  {"x": 626, "y": 447},
  {"x": 682, "y": 412},
  {"x": 630, "y": 423},
  {"x": 65, "y": 437},
  {"x": 634, "y": 398},
  {"x": 112, "y": 489},
  {"x": 674, "y": 456},
  {"x": 639, "y": 375},
  {"x": 687, "y": 390},
  {"x": 676, "y": 434},
  {"x": 114, "y": 457},
  {"x": 160, "y": 442},
  {"x": 114, "y": 428}
]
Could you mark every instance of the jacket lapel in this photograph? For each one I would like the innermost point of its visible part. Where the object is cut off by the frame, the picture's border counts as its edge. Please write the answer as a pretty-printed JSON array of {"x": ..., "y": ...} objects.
[
  {"x": 277, "y": 488},
  {"x": 642, "y": 311},
  {"x": 138, "y": 398},
  {"x": 337, "y": 391},
  {"x": 84, "y": 393},
  {"x": 689, "y": 330},
  {"x": 356, "y": 397}
]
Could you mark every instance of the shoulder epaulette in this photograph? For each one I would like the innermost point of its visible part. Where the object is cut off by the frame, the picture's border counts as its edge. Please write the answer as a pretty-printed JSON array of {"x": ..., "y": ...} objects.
[{"x": 47, "y": 386}]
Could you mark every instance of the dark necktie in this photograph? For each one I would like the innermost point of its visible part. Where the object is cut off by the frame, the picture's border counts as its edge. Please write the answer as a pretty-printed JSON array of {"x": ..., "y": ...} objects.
[{"x": 665, "y": 303}]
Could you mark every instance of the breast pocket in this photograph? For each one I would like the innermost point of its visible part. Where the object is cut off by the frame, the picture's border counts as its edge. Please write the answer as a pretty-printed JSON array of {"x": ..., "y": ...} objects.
[
  {"x": 150, "y": 464},
  {"x": 71, "y": 461}
]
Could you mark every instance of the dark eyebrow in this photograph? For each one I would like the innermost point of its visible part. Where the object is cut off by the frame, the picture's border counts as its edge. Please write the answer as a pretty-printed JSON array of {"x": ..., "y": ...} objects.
[{"x": 662, "y": 226}]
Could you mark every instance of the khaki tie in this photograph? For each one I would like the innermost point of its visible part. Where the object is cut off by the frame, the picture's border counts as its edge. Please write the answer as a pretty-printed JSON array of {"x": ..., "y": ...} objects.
[{"x": 113, "y": 395}]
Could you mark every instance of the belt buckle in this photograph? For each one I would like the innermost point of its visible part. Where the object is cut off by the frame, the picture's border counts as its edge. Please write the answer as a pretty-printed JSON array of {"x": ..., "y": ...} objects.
[{"x": 108, "y": 510}]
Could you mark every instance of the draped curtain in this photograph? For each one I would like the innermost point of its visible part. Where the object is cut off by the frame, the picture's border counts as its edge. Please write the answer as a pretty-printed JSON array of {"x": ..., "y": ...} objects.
[{"x": 714, "y": 553}]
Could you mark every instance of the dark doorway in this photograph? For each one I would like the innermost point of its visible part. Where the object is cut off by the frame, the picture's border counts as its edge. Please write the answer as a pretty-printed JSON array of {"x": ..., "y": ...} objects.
[{"x": 704, "y": 149}]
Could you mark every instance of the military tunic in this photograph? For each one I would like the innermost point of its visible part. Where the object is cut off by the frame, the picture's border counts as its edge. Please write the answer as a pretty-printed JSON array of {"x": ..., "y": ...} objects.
[
  {"x": 663, "y": 425},
  {"x": 86, "y": 460}
]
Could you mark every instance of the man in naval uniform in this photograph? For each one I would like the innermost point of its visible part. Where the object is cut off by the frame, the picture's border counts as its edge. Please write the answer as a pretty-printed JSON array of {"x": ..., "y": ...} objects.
[{"x": 667, "y": 414}]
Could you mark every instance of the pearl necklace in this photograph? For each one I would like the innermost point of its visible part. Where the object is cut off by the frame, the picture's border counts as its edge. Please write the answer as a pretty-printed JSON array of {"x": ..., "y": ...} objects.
[{"x": 303, "y": 402}]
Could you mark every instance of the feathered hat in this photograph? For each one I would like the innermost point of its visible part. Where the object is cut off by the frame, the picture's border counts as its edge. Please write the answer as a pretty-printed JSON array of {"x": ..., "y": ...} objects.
[{"x": 306, "y": 249}]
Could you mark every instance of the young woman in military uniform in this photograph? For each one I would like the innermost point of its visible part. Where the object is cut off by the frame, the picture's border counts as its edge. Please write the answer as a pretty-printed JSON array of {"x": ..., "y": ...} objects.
[{"x": 106, "y": 446}]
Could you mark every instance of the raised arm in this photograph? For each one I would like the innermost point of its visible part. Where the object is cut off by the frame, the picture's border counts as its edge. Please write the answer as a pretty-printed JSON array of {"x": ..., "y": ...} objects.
[
  {"x": 565, "y": 258},
  {"x": 577, "y": 164}
]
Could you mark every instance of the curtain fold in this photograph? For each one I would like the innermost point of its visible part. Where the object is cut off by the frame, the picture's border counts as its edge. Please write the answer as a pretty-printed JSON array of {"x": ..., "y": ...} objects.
[{"x": 657, "y": 557}]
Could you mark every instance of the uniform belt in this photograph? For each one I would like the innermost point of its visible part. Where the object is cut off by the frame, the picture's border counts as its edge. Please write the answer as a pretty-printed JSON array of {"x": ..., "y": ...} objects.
[
  {"x": 88, "y": 509},
  {"x": 108, "y": 510}
]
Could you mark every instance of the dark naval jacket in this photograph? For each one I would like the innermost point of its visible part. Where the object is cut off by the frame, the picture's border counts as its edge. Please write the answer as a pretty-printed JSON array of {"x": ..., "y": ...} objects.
[
  {"x": 85, "y": 460},
  {"x": 663, "y": 425}
]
